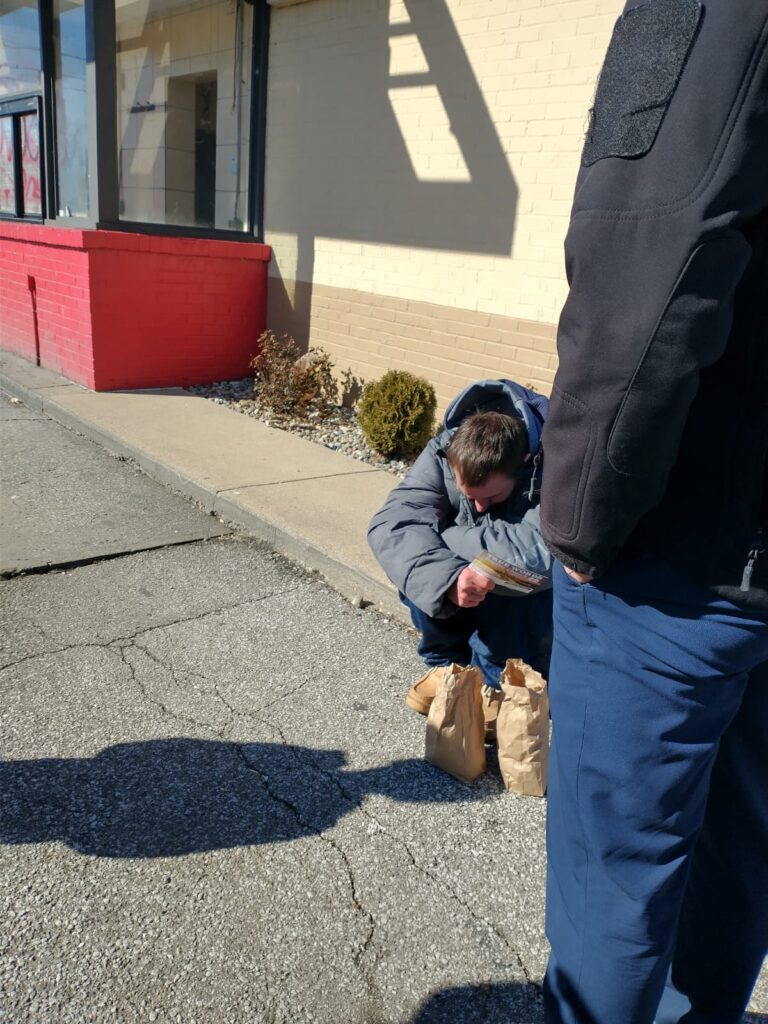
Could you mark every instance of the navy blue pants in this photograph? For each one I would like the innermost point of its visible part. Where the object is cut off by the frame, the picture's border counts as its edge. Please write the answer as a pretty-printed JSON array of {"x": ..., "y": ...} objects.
[
  {"x": 657, "y": 829},
  {"x": 497, "y": 629}
]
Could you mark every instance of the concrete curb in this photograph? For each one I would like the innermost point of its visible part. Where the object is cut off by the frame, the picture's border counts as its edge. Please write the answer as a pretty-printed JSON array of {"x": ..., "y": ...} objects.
[{"x": 356, "y": 585}]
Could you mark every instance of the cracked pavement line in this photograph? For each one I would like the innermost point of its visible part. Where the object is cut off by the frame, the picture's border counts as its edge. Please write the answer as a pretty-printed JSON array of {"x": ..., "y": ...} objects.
[
  {"x": 128, "y": 638},
  {"x": 265, "y": 780},
  {"x": 52, "y": 568},
  {"x": 435, "y": 879},
  {"x": 258, "y": 711},
  {"x": 307, "y": 825},
  {"x": 121, "y": 650},
  {"x": 348, "y": 798},
  {"x": 233, "y": 713},
  {"x": 122, "y": 646}
]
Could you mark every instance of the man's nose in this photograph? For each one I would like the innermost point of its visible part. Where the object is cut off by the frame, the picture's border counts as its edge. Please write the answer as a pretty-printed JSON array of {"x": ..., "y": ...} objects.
[{"x": 481, "y": 504}]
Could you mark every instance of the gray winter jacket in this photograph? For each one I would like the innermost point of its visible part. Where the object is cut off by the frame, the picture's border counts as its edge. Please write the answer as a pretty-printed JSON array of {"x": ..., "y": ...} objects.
[{"x": 427, "y": 531}]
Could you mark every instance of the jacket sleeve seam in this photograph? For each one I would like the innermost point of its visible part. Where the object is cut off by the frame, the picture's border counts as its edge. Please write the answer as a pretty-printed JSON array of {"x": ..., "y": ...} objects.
[{"x": 639, "y": 366}]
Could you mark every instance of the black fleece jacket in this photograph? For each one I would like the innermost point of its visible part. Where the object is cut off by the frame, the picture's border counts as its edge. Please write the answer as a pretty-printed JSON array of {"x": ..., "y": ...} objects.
[{"x": 657, "y": 433}]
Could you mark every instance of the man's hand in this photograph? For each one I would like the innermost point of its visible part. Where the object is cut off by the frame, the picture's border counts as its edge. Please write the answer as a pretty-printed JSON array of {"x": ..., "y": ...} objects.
[
  {"x": 470, "y": 588},
  {"x": 578, "y": 577}
]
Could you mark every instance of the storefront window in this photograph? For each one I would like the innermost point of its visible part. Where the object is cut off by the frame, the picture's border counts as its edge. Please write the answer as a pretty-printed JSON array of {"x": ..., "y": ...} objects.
[
  {"x": 20, "y": 73},
  {"x": 71, "y": 107},
  {"x": 21, "y": 189},
  {"x": 183, "y": 111},
  {"x": 7, "y": 169},
  {"x": 20, "y": 59},
  {"x": 30, "y": 165}
]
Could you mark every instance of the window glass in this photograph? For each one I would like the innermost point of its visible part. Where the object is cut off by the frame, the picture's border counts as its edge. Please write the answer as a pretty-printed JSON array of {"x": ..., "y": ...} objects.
[
  {"x": 183, "y": 111},
  {"x": 71, "y": 107},
  {"x": 20, "y": 60},
  {"x": 7, "y": 177},
  {"x": 30, "y": 165}
]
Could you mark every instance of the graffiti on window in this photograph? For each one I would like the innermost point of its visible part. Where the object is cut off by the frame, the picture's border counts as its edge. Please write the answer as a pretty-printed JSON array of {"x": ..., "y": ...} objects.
[
  {"x": 30, "y": 163},
  {"x": 7, "y": 178},
  {"x": 30, "y": 166}
]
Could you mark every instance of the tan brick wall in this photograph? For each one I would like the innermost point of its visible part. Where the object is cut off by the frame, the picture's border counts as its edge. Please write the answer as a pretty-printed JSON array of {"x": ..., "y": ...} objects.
[
  {"x": 421, "y": 159},
  {"x": 449, "y": 346}
]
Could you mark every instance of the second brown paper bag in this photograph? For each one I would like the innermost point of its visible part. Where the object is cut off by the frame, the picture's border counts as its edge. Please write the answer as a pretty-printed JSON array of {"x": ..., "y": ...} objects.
[{"x": 522, "y": 729}]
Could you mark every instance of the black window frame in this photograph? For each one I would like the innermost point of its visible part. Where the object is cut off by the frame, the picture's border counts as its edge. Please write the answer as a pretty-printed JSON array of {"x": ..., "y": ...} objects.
[{"x": 15, "y": 108}]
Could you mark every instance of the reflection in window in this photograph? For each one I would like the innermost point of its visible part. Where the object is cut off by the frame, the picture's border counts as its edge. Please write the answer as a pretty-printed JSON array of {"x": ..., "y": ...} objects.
[
  {"x": 20, "y": 61},
  {"x": 30, "y": 165},
  {"x": 7, "y": 174},
  {"x": 21, "y": 191},
  {"x": 183, "y": 111},
  {"x": 71, "y": 107}
]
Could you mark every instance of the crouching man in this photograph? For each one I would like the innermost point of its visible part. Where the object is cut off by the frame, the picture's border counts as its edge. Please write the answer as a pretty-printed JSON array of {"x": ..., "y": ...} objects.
[{"x": 474, "y": 489}]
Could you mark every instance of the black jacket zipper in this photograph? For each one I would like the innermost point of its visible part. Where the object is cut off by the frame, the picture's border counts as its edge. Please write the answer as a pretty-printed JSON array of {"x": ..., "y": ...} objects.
[{"x": 757, "y": 549}]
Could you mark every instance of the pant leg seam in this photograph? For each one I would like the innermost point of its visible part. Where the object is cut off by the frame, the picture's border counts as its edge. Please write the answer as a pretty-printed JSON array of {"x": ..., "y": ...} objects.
[{"x": 584, "y": 845}]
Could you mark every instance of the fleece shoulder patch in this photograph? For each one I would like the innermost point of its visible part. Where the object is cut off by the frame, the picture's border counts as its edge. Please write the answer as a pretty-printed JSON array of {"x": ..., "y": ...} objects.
[{"x": 645, "y": 58}]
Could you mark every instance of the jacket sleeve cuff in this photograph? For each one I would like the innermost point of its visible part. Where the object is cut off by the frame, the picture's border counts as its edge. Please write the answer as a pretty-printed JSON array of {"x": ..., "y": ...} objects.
[{"x": 574, "y": 563}]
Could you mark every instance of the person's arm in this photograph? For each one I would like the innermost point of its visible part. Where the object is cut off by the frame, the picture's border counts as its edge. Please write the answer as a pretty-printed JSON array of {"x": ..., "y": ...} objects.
[
  {"x": 519, "y": 542},
  {"x": 674, "y": 168},
  {"x": 405, "y": 536}
]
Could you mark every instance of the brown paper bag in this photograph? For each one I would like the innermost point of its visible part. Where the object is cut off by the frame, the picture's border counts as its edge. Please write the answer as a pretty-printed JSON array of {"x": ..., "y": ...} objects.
[
  {"x": 522, "y": 729},
  {"x": 455, "y": 728}
]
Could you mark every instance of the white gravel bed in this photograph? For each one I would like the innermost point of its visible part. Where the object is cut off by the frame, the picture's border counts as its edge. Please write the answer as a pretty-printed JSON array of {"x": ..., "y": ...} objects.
[{"x": 339, "y": 431}]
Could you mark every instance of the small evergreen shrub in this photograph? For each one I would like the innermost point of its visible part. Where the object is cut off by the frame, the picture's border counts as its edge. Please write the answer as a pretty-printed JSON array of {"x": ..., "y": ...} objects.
[
  {"x": 397, "y": 413},
  {"x": 290, "y": 383}
]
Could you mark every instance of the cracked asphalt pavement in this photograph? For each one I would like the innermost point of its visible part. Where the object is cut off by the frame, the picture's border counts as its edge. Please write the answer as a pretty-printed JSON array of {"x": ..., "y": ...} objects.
[
  {"x": 214, "y": 807},
  {"x": 213, "y": 801}
]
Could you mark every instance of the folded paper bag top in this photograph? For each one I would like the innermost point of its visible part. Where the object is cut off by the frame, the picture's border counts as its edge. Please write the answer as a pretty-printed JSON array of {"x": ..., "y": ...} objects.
[
  {"x": 455, "y": 739},
  {"x": 522, "y": 729}
]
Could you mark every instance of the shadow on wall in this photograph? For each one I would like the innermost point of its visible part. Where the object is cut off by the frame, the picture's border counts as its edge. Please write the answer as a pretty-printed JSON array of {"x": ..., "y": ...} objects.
[
  {"x": 344, "y": 119},
  {"x": 167, "y": 798}
]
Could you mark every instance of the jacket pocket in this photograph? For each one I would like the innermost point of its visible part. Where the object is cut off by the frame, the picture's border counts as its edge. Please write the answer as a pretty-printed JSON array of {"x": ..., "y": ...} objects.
[
  {"x": 569, "y": 446},
  {"x": 691, "y": 333},
  {"x": 645, "y": 58}
]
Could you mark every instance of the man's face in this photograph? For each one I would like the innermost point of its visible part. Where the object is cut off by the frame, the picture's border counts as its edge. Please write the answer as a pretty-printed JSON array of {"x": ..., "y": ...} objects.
[{"x": 496, "y": 489}]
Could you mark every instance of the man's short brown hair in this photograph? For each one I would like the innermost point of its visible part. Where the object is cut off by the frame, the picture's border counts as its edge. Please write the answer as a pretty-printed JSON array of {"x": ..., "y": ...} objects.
[{"x": 486, "y": 443}]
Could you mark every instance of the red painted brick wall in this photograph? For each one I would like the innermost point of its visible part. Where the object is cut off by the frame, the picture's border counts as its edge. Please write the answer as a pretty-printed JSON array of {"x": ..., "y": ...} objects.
[
  {"x": 49, "y": 269},
  {"x": 121, "y": 310}
]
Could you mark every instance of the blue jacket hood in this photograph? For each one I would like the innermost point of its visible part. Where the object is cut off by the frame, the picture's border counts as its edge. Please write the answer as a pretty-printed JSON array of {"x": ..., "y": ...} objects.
[{"x": 501, "y": 396}]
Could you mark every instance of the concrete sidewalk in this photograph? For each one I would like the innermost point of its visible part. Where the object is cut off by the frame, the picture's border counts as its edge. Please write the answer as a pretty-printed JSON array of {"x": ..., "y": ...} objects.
[{"x": 307, "y": 502}]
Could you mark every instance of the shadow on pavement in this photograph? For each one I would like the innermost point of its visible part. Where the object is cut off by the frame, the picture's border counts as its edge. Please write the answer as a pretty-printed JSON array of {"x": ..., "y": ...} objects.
[
  {"x": 165, "y": 798},
  {"x": 484, "y": 1004},
  {"x": 499, "y": 1004}
]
